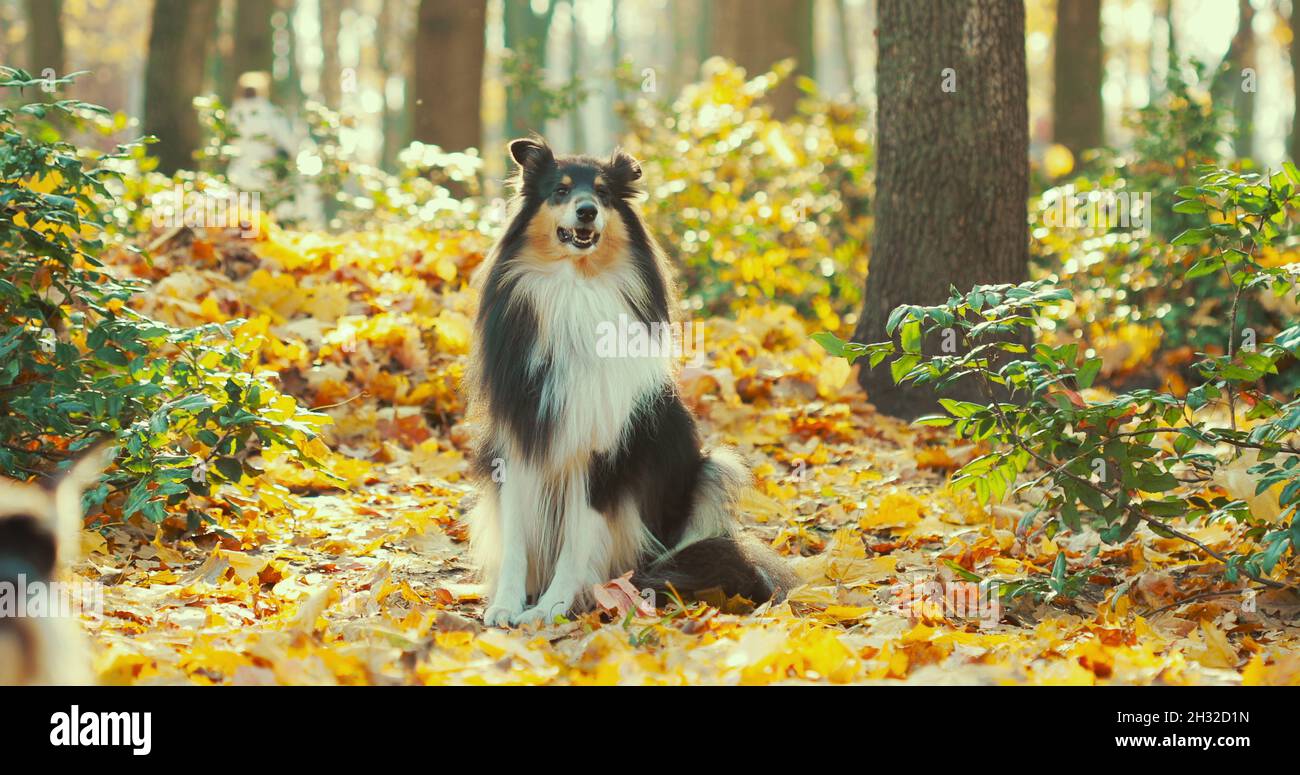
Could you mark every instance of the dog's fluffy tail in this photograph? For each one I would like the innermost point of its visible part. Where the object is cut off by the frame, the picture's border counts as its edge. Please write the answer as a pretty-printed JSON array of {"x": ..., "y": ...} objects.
[
  {"x": 733, "y": 565},
  {"x": 40, "y": 528},
  {"x": 34, "y": 649},
  {"x": 714, "y": 556}
]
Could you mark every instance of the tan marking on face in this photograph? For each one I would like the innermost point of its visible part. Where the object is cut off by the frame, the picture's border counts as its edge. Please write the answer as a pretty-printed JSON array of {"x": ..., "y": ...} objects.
[
  {"x": 609, "y": 252},
  {"x": 544, "y": 247},
  {"x": 566, "y": 180}
]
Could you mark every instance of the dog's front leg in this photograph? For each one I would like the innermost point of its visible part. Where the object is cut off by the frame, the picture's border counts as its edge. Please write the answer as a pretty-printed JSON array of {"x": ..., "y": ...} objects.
[
  {"x": 511, "y": 592},
  {"x": 586, "y": 544}
]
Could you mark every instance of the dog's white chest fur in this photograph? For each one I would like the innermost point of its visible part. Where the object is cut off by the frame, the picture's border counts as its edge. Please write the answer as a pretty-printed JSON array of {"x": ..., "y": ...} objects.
[{"x": 589, "y": 395}]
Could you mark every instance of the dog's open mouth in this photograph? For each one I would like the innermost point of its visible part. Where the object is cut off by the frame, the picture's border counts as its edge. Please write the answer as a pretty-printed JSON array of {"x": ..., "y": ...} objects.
[{"x": 581, "y": 237}]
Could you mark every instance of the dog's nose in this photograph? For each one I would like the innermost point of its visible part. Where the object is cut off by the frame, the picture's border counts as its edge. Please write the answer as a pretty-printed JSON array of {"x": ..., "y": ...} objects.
[{"x": 586, "y": 212}]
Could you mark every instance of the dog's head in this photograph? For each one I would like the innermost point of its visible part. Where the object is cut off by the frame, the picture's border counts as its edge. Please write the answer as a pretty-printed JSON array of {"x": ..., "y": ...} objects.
[{"x": 577, "y": 197}]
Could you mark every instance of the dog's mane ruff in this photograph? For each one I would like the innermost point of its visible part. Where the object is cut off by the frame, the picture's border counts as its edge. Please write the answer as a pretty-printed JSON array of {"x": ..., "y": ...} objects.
[
  {"x": 660, "y": 302},
  {"x": 652, "y": 265},
  {"x": 491, "y": 282},
  {"x": 494, "y": 290}
]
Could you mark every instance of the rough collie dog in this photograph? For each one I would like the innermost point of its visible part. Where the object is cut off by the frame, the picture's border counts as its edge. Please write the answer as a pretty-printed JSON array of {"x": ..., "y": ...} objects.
[
  {"x": 590, "y": 465},
  {"x": 40, "y": 527}
]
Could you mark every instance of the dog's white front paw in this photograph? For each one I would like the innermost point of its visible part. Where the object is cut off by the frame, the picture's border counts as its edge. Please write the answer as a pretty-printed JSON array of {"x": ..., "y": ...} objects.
[
  {"x": 544, "y": 612},
  {"x": 502, "y": 615}
]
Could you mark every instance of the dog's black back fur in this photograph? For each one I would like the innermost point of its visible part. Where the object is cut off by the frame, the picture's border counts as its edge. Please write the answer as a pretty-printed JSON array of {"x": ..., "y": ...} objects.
[{"x": 662, "y": 446}]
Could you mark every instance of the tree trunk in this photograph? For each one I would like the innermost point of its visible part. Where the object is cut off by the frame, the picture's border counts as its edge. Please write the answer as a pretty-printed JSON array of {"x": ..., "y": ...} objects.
[
  {"x": 1077, "y": 118},
  {"x": 287, "y": 91},
  {"x": 1230, "y": 83},
  {"x": 1173, "y": 33},
  {"x": 1295, "y": 80},
  {"x": 614, "y": 121},
  {"x": 392, "y": 62},
  {"x": 254, "y": 37},
  {"x": 687, "y": 42},
  {"x": 450, "y": 41},
  {"x": 846, "y": 48},
  {"x": 330, "y": 14},
  {"x": 578, "y": 130},
  {"x": 178, "y": 42},
  {"x": 1155, "y": 83},
  {"x": 757, "y": 35},
  {"x": 1243, "y": 137},
  {"x": 704, "y": 36},
  {"x": 681, "y": 23},
  {"x": 526, "y": 34},
  {"x": 952, "y": 177},
  {"x": 45, "y": 36}
]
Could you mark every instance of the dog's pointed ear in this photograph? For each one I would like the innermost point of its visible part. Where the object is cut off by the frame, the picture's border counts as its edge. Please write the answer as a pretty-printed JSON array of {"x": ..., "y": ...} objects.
[
  {"x": 532, "y": 154},
  {"x": 623, "y": 167},
  {"x": 623, "y": 172}
]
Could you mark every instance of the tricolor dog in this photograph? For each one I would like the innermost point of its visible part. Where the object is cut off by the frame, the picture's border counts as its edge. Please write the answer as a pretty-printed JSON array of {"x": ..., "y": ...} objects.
[{"x": 590, "y": 465}]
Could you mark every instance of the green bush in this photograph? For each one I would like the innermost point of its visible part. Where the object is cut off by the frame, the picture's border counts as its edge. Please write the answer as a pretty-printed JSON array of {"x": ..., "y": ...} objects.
[
  {"x": 1143, "y": 456},
  {"x": 1128, "y": 280},
  {"x": 78, "y": 365},
  {"x": 751, "y": 207}
]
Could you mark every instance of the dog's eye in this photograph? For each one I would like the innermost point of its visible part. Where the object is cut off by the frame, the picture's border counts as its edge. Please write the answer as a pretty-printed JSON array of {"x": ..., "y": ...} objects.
[{"x": 562, "y": 191}]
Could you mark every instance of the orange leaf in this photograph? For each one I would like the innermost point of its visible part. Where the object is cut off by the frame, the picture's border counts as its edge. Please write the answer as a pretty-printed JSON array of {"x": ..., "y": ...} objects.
[{"x": 619, "y": 596}]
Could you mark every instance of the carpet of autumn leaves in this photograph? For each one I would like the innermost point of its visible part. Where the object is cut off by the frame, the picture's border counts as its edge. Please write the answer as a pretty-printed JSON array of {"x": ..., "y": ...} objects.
[{"x": 357, "y": 572}]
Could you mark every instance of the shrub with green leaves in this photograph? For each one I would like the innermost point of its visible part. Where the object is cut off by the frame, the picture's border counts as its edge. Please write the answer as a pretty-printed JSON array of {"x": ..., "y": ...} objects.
[
  {"x": 1122, "y": 276},
  {"x": 79, "y": 365},
  {"x": 432, "y": 187},
  {"x": 1110, "y": 463},
  {"x": 754, "y": 207}
]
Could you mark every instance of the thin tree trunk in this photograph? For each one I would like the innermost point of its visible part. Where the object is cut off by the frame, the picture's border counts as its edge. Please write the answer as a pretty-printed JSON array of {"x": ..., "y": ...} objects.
[
  {"x": 1295, "y": 80},
  {"x": 756, "y": 37},
  {"x": 1173, "y": 33},
  {"x": 1077, "y": 118},
  {"x": 178, "y": 42},
  {"x": 1230, "y": 81},
  {"x": 846, "y": 47},
  {"x": 678, "y": 64},
  {"x": 578, "y": 130},
  {"x": 704, "y": 36},
  {"x": 390, "y": 59},
  {"x": 952, "y": 176},
  {"x": 691, "y": 39},
  {"x": 287, "y": 91},
  {"x": 45, "y": 36},
  {"x": 450, "y": 43},
  {"x": 526, "y": 34},
  {"x": 254, "y": 37},
  {"x": 870, "y": 66},
  {"x": 613, "y": 121},
  {"x": 10, "y": 18},
  {"x": 1243, "y": 138},
  {"x": 330, "y": 13}
]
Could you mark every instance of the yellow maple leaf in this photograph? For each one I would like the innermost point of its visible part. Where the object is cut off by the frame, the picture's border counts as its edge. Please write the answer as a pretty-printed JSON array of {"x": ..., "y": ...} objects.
[{"x": 896, "y": 509}]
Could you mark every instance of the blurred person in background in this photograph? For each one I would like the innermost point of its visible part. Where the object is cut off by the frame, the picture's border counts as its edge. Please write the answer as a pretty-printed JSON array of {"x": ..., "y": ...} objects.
[
  {"x": 262, "y": 134},
  {"x": 265, "y": 145}
]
